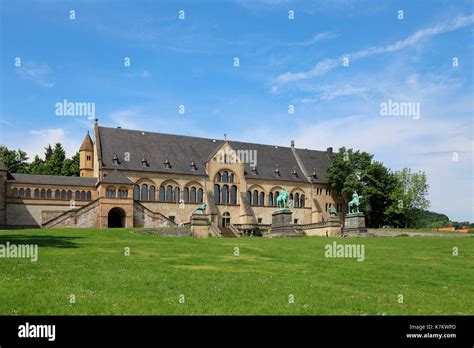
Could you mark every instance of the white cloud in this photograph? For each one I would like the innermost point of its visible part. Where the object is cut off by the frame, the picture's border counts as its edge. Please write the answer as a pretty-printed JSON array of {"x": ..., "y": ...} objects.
[
  {"x": 332, "y": 92},
  {"x": 328, "y": 64},
  {"x": 38, "y": 73},
  {"x": 326, "y": 35}
]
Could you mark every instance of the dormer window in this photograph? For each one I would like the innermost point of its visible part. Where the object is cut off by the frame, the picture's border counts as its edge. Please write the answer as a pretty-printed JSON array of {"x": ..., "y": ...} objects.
[
  {"x": 144, "y": 162},
  {"x": 115, "y": 160},
  {"x": 294, "y": 173},
  {"x": 314, "y": 175},
  {"x": 254, "y": 170},
  {"x": 167, "y": 164},
  {"x": 192, "y": 166},
  {"x": 277, "y": 171}
]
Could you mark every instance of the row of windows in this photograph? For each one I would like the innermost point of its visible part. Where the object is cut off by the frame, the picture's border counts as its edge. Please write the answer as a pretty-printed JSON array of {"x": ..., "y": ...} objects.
[
  {"x": 48, "y": 194},
  {"x": 224, "y": 176},
  {"x": 224, "y": 195},
  {"x": 169, "y": 194},
  {"x": 112, "y": 192},
  {"x": 257, "y": 198},
  {"x": 319, "y": 191}
]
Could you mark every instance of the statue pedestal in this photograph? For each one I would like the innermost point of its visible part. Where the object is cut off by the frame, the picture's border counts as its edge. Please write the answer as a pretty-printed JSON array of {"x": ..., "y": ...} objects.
[
  {"x": 282, "y": 224},
  {"x": 355, "y": 222},
  {"x": 199, "y": 225}
]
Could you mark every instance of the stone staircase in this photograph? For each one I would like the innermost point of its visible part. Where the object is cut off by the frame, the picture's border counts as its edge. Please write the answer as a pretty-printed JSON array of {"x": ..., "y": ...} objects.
[
  {"x": 84, "y": 216},
  {"x": 227, "y": 232}
]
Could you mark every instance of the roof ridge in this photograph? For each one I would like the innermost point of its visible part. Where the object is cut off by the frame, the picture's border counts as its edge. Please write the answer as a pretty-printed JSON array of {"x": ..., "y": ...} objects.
[{"x": 209, "y": 139}]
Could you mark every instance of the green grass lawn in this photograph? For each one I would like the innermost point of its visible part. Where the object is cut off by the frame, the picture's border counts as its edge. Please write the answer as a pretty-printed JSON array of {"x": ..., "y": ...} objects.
[{"x": 91, "y": 265}]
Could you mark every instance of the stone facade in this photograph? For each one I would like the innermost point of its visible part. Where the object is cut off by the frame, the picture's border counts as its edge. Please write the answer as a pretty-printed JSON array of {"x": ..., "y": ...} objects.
[{"x": 123, "y": 196}]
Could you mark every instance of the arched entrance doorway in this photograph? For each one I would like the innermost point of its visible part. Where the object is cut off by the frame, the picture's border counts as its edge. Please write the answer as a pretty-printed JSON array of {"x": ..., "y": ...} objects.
[
  {"x": 225, "y": 219},
  {"x": 116, "y": 218}
]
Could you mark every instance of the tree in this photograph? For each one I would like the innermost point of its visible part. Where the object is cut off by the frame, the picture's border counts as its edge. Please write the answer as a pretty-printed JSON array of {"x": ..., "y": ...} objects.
[
  {"x": 15, "y": 161},
  {"x": 37, "y": 166},
  {"x": 48, "y": 152},
  {"x": 378, "y": 182},
  {"x": 351, "y": 171},
  {"x": 71, "y": 166},
  {"x": 409, "y": 197},
  {"x": 54, "y": 164},
  {"x": 345, "y": 170}
]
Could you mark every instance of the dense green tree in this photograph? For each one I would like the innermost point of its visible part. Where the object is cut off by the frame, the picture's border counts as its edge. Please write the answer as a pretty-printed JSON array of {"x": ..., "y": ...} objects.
[
  {"x": 48, "y": 152},
  {"x": 351, "y": 171},
  {"x": 37, "y": 166},
  {"x": 15, "y": 161},
  {"x": 54, "y": 164},
  {"x": 71, "y": 166}
]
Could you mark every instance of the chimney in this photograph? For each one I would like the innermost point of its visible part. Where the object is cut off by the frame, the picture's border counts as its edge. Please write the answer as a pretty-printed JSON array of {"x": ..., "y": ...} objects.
[
  {"x": 292, "y": 144},
  {"x": 329, "y": 151}
]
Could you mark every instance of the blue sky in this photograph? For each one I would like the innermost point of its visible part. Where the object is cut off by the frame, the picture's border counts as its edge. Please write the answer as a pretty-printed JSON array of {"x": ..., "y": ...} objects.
[{"x": 283, "y": 62}]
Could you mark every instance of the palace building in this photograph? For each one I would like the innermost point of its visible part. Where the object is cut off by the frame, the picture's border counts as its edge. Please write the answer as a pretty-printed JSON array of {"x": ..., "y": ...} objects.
[{"x": 132, "y": 178}]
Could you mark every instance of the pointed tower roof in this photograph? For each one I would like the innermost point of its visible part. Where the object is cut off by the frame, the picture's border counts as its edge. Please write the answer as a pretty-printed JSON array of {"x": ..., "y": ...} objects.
[{"x": 87, "y": 144}]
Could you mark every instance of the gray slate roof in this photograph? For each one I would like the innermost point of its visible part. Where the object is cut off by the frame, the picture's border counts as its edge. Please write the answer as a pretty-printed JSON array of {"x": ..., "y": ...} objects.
[
  {"x": 115, "y": 177},
  {"x": 52, "y": 180},
  {"x": 181, "y": 150}
]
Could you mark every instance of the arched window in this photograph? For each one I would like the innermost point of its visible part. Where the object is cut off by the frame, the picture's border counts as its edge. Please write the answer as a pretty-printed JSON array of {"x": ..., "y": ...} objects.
[
  {"x": 144, "y": 195},
  {"x": 136, "y": 193},
  {"x": 225, "y": 194},
  {"x": 110, "y": 192},
  {"x": 169, "y": 193},
  {"x": 249, "y": 197},
  {"x": 63, "y": 194},
  {"x": 37, "y": 193},
  {"x": 69, "y": 195},
  {"x": 255, "y": 198},
  {"x": 291, "y": 198},
  {"x": 177, "y": 194},
  {"x": 186, "y": 194},
  {"x": 77, "y": 195},
  {"x": 152, "y": 193},
  {"x": 22, "y": 193},
  {"x": 57, "y": 194},
  {"x": 193, "y": 195},
  {"x": 217, "y": 178},
  {"x": 225, "y": 176},
  {"x": 262, "y": 199},
  {"x": 48, "y": 194},
  {"x": 233, "y": 194},
  {"x": 200, "y": 195},
  {"x": 270, "y": 199},
  {"x": 122, "y": 193},
  {"x": 276, "y": 197},
  {"x": 15, "y": 192},
  {"x": 83, "y": 195},
  {"x": 217, "y": 194},
  {"x": 231, "y": 177},
  {"x": 302, "y": 201},
  {"x": 89, "y": 195},
  {"x": 43, "y": 193},
  {"x": 161, "y": 196},
  {"x": 296, "y": 202},
  {"x": 28, "y": 193}
]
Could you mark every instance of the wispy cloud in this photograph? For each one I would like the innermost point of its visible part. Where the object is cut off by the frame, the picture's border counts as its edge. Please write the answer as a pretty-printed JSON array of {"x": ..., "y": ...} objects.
[
  {"x": 38, "y": 73},
  {"x": 328, "y": 64},
  {"x": 332, "y": 92},
  {"x": 53, "y": 134},
  {"x": 141, "y": 74},
  {"x": 326, "y": 35}
]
